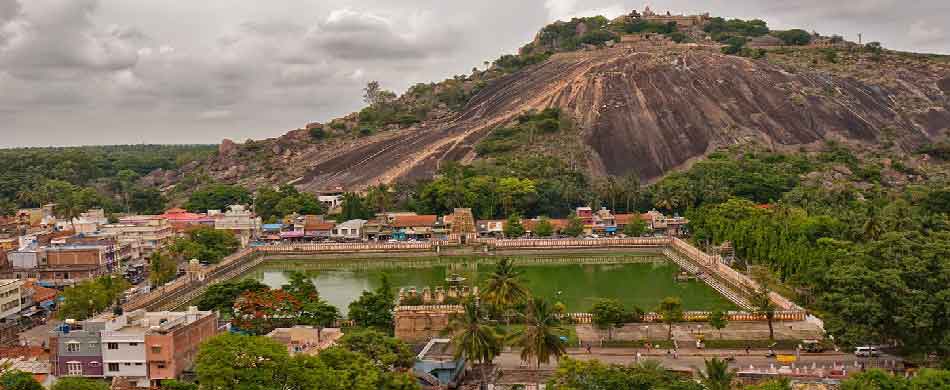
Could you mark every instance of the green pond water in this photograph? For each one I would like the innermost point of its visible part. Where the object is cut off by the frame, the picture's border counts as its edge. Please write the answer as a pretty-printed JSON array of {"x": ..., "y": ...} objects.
[{"x": 640, "y": 280}]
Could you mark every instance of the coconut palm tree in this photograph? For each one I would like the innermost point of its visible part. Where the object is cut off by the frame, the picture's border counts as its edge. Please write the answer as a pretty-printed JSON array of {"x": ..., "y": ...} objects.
[
  {"x": 540, "y": 338},
  {"x": 504, "y": 289},
  {"x": 718, "y": 376},
  {"x": 474, "y": 338}
]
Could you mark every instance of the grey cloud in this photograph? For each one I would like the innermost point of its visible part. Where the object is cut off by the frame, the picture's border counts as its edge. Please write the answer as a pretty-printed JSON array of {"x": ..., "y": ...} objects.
[
  {"x": 353, "y": 35},
  {"x": 183, "y": 71},
  {"x": 57, "y": 40}
]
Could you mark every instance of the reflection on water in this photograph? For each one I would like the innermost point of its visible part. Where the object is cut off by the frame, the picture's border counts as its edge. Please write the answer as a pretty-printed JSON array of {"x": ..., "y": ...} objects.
[{"x": 577, "y": 282}]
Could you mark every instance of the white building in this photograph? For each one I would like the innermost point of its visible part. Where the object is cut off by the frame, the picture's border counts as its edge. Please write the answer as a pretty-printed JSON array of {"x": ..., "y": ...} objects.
[
  {"x": 11, "y": 292},
  {"x": 87, "y": 223},
  {"x": 349, "y": 230},
  {"x": 150, "y": 232},
  {"x": 240, "y": 221}
]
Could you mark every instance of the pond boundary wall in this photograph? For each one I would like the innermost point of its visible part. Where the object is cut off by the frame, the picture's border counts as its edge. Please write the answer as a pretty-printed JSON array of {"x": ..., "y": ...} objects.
[{"x": 186, "y": 288}]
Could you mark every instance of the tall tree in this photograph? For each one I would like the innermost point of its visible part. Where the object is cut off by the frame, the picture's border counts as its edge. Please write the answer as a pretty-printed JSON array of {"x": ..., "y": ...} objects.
[
  {"x": 608, "y": 314},
  {"x": 718, "y": 320},
  {"x": 504, "y": 288},
  {"x": 474, "y": 338},
  {"x": 162, "y": 268},
  {"x": 671, "y": 311},
  {"x": 762, "y": 305},
  {"x": 540, "y": 339}
]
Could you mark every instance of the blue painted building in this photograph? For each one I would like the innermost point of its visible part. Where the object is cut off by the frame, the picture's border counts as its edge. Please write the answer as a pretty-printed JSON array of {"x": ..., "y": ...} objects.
[{"x": 436, "y": 366}]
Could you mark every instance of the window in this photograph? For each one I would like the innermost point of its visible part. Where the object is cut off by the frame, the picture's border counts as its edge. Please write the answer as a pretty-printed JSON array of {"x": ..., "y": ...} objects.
[
  {"x": 113, "y": 367},
  {"x": 161, "y": 365},
  {"x": 156, "y": 349},
  {"x": 73, "y": 368},
  {"x": 72, "y": 346},
  {"x": 113, "y": 346},
  {"x": 128, "y": 364},
  {"x": 133, "y": 344},
  {"x": 138, "y": 364}
]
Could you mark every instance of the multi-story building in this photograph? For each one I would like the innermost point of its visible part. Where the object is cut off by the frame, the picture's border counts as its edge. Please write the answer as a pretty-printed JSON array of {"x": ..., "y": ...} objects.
[
  {"x": 182, "y": 220},
  {"x": 10, "y": 294},
  {"x": 240, "y": 221},
  {"x": 76, "y": 350},
  {"x": 25, "y": 263},
  {"x": 142, "y": 347},
  {"x": 149, "y": 232},
  {"x": 69, "y": 264},
  {"x": 173, "y": 343}
]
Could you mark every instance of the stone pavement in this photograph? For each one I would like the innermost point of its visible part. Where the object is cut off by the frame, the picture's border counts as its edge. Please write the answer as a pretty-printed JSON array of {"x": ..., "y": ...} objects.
[
  {"x": 513, "y": 370},
  {"x": 686, "y": 332}
]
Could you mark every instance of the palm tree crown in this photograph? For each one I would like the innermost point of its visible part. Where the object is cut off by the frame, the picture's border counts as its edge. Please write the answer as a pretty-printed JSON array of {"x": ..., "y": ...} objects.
[
  {"x": 504, "y": 288},
  {"x": 540, "y": 337},
  {"x": 473, "y": 337},
  {"x": 718, "y": 376}
]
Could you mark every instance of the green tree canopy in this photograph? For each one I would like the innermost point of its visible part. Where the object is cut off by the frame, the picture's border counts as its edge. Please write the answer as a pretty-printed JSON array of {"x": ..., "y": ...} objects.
[
  {"x": 608, "y": 314},
  {"x": 513, "y": 227},
  {"x": 374, "y": 309},
  {"x": 236, "y": 362},
  {"x": 217, "y": 197},
  {"x": 220, "y": 297},
  {"x": 207, "y": 244},
  {"x": 91, "y": 297},
  {"x": 544, "y": 228},
  {"x": 384, "y": 351},
  {"x": 18, "y": 380},
  {"x": 670, "y": 311},
  {"x": 70, "y": 383},
  {"x": 575, "y": 227}
]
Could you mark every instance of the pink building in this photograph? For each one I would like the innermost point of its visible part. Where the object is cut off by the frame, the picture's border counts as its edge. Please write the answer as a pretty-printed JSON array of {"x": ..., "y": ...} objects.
[{"x": 172, "y": 346}]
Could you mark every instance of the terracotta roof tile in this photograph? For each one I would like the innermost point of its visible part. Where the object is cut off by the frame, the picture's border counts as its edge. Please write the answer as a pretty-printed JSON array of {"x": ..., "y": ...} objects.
[{"x": 414, "y": 220}]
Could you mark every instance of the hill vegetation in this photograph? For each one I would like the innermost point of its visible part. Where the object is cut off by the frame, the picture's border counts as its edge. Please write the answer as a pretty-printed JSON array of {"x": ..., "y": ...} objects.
[{"x": 91, "y": 176}]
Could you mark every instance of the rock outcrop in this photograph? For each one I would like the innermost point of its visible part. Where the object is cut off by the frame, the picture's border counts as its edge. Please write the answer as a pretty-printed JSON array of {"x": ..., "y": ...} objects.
[{"x": 647, "y": 112}]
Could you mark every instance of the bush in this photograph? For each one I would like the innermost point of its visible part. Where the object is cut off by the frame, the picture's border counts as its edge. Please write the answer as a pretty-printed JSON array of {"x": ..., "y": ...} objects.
[
  {"x": 795, "y": 37},
  {"x": 317, "y": 133},
  {"x": 734, "y": 45}
]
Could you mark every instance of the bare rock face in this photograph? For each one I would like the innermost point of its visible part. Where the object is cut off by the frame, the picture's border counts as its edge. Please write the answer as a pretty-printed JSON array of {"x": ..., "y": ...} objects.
[
  {"x": 642, "y": 112},
  {"x": 227, "y": 147},
  {"x": 944, "y": 85}
]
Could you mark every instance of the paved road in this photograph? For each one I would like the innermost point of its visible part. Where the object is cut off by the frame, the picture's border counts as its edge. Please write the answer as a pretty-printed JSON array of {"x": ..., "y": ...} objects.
[{"x": 692, "y": 360}]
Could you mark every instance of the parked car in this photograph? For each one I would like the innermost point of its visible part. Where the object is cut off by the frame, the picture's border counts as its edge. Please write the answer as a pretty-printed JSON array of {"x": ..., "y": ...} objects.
[{"x": 867, "y": 352}]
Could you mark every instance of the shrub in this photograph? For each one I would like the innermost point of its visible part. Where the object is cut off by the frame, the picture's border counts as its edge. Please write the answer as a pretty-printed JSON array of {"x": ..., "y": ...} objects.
[
  {"x": 794, "y": 37},
  {"x": 317, "y": 133}
]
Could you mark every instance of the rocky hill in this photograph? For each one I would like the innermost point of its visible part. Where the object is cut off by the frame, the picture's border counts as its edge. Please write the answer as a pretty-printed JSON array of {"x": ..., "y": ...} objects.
[{"x": 640, "y": 102}]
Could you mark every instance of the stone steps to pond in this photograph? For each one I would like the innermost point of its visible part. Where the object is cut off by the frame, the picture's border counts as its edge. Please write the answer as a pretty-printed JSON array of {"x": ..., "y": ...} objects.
[{"x": 711, "y": 281}]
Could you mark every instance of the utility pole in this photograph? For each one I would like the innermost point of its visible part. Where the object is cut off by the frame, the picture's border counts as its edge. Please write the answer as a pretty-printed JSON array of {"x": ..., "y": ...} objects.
[{"x": 860, "y": 38}]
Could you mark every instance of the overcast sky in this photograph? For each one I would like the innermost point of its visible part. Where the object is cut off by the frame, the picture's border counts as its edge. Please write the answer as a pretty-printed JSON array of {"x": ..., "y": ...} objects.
[{"x": 170, "y": 71}]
